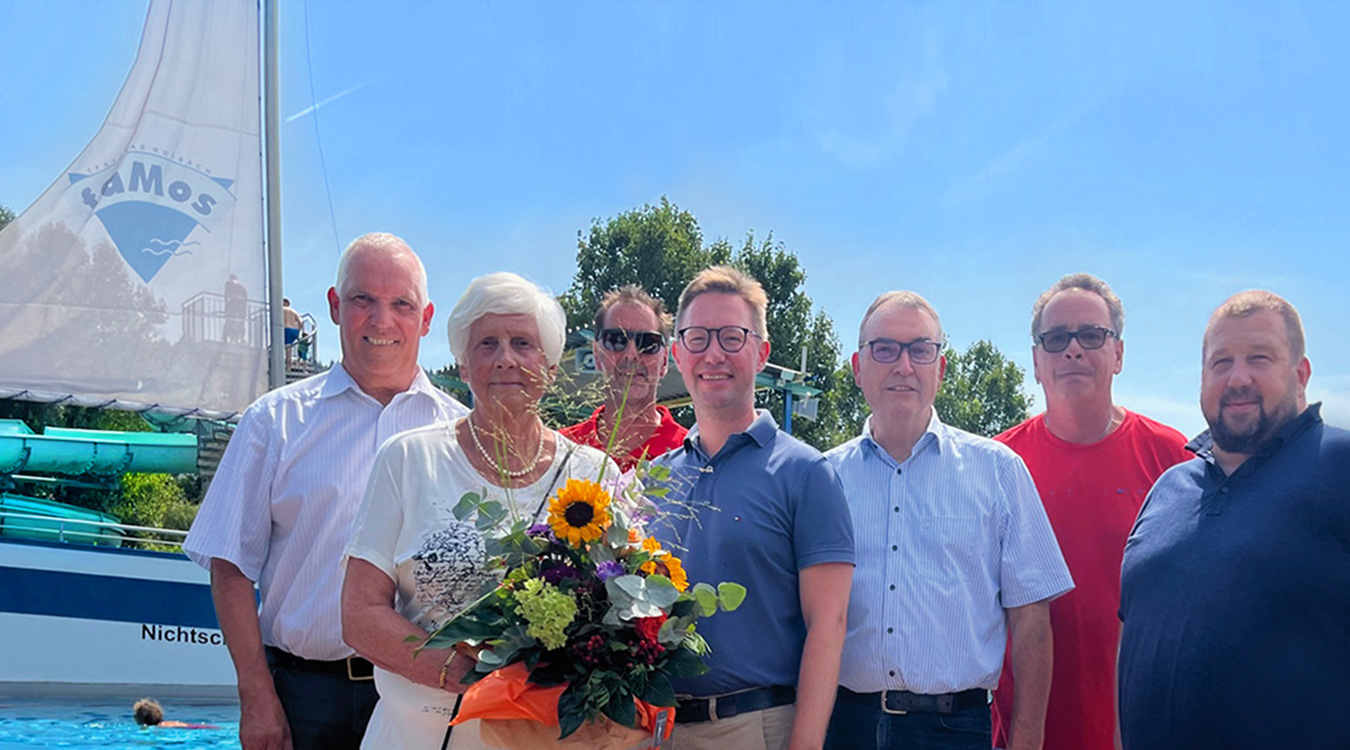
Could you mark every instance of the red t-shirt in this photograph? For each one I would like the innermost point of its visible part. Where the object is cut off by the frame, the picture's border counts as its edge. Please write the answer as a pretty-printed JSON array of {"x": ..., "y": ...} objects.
[
  {"x": 1092, "y": 495},
  {"x": 669, "y": 435}
]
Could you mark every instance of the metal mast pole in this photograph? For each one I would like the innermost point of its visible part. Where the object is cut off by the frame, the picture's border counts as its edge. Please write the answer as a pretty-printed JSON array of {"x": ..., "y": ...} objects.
[{"x": 272, "y": 157}]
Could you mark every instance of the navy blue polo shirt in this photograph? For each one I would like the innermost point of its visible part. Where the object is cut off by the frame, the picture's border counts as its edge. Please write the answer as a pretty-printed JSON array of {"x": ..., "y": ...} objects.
[
  {"x": 765, "y": 507},
  {"x": 1235, "y": 599}
]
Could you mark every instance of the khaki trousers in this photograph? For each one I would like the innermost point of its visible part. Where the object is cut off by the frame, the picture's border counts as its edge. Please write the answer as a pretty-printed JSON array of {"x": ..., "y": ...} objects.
[{"x": 769, "y": 729}]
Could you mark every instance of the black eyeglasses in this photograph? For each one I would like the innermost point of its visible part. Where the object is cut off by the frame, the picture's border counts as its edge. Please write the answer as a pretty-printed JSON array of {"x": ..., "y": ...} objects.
[
  {"x": 616, "y": 340},
  {"x": 1092, "y": 337},
  {"x": 731, "y": 338},
  {"x": 921, "y": 351}
]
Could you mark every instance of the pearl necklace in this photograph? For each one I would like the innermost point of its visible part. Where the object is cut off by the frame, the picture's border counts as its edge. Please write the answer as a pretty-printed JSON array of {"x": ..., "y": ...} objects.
[{"x": 500, "y": 469}]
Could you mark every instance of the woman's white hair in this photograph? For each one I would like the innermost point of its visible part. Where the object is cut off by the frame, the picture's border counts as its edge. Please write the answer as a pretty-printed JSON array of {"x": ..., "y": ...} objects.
[{"x": 506, "y": 293}]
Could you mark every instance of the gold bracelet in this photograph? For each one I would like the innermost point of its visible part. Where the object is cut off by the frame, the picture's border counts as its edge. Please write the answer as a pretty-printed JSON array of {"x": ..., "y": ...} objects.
[{"x": 446, "y": 666}]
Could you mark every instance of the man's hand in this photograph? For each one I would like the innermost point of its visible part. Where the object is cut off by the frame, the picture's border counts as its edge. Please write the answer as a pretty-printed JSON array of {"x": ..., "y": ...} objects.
[
  {"x": 824, "y": 593},
  {"x": 1032, "y": 663},
  {"x": 262, "y": 720}
]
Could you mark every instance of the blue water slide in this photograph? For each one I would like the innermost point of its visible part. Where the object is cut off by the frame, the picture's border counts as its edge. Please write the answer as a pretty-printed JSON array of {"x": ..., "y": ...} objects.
[{"x": 69, "y": 451}]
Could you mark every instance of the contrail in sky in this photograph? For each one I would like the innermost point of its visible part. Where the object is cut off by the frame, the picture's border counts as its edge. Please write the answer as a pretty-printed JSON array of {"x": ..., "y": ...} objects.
[{"x": 329, "y": 100}]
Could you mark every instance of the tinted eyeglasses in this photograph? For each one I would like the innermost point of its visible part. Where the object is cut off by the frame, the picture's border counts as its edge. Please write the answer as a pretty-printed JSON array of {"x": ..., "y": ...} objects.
[
  {"x": 731, "y": 338},
  {"x": 616, "y": 340},
  {"x": 921, "y": 351},
  {"x": 1092, "y": 337}
]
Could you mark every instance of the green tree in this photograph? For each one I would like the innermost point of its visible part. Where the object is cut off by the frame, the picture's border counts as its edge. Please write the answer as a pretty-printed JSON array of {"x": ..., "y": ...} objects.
[
  {"x": 982, "y": 391},
  {"x": 660, "y": 247},
  {"x": 794, "y": 326},
  {"x": 6, "y": 215}
]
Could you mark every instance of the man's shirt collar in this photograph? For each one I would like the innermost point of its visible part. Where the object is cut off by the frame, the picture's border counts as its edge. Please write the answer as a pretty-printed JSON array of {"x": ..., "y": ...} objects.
[
  {"x": 339, "y": 381},
  {"x": 935, "y": 434},
  {"x": 1203, "y": 444},
  {"x": 761, "y": 431}
]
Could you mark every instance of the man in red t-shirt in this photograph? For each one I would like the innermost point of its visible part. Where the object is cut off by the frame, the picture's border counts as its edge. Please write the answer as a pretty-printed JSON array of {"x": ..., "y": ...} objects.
[
  {"x": 631, "y": 352},
  {"x": 1093, "y": 463}
]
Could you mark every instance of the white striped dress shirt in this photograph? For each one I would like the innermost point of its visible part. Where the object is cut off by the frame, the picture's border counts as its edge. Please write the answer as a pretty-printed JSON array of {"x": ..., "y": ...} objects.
[
  {"x": 283, "y": 502},
  {"x": 946, "y": 540}
]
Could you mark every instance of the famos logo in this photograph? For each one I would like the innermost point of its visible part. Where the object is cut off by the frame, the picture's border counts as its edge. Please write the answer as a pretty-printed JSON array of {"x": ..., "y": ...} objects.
[{"x": 149, "y": 201}]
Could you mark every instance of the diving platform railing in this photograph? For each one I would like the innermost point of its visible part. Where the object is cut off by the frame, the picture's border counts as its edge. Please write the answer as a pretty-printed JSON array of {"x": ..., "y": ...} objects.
[{"x": 42, "y": 528}]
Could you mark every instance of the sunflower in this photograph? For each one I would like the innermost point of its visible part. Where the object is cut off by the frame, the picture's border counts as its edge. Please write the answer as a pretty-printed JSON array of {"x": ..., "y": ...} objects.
[
  {"x": 580, "y": 512},
  {"x": 664, "y": 564}
]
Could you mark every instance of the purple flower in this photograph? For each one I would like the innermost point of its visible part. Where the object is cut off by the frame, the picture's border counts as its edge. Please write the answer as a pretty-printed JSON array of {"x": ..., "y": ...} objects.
[
  {"x": 557, "y": 573},
  {"x": 609, "y": 569},
  {"x": 541, "y": 530}
]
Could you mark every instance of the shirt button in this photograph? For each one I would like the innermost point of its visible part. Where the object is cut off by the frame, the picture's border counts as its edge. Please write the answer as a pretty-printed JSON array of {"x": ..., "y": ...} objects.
[
  {"x": 890, "y": 630},
  {"x": 892, "y": 587},
  {"x": 892, "y": 672},
  {"x": 1224, "y": 490},
  {"x": 899, "y": 471},
  {"x": 897, "y": 509},
  {"x": 895, "y": 547}
]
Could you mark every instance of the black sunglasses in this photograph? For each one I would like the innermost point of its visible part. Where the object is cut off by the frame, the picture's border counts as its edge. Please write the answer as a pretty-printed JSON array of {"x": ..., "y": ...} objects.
[
  {"x": 616, "y": 340},
  {"x": 1092, "y": 337}
]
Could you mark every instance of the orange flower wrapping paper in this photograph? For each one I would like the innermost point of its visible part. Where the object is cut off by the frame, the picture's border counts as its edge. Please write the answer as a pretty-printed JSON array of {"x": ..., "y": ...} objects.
[{"x": 516, "y": 713}]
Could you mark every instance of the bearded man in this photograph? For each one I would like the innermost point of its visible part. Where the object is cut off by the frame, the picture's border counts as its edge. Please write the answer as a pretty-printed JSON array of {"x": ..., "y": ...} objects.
[{"x": 1234, "y": 586}]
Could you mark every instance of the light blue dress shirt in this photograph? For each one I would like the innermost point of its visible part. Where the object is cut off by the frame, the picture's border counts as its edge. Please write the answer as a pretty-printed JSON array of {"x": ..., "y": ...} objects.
[{"x": 945, "y": 540}]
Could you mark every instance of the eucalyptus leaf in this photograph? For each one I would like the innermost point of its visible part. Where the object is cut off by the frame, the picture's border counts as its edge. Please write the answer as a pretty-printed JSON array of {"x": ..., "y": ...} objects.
[
  {"x": 656, "y": 491},
  {"x": 706, "y": 597},
  {"x": 730, "y": 595},
  {"x": 490, "y": 514},
  {"x": 658, "y": 472},
  {"x": 670, "y": 635},
  {"x": 601, "y": 553},
  {"x": 468, "y": 503},
  {"x": 661, "y": 592}
]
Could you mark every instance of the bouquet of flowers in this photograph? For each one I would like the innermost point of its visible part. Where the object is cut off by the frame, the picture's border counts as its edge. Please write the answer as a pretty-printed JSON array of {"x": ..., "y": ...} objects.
[{"x": 589, "y": 622}]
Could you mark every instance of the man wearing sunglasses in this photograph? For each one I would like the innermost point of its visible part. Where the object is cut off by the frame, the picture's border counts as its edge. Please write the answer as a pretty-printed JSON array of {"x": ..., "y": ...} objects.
[
  {"x": 1093, "y": 462},
  {"x": 955, "y": 558},
  {"x": 751, "y": 504},
  {"x": 631, "y": 353}
]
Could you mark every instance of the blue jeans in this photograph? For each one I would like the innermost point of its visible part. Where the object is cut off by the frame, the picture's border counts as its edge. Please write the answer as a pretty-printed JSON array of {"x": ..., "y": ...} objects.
[
  {"x": 325, "y": 711},
  {"x": 855, "y": 726}
]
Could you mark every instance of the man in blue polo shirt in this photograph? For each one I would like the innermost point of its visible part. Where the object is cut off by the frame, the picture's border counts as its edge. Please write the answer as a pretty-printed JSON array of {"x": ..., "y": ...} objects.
[
  {"x": 753, "y": 505},
  {"x": 1235, "y": 588},
  {"x": 956, "y": 559}
]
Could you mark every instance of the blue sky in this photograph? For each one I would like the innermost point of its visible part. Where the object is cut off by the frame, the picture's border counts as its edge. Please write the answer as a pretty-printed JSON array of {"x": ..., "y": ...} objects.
[{"x": 971, "y": 152}]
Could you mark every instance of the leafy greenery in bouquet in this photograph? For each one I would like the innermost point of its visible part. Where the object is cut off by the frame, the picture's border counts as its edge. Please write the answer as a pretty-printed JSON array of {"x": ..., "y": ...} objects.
[{"x": 587, "y": 600}]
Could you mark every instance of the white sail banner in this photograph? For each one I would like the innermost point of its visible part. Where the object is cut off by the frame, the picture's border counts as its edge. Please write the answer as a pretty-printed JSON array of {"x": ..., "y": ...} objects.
[{"x": 138, "y": 279}]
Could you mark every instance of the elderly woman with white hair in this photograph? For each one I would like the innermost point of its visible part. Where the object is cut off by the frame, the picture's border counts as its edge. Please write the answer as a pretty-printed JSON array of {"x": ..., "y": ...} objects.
[{"x": 410, "y": 564}]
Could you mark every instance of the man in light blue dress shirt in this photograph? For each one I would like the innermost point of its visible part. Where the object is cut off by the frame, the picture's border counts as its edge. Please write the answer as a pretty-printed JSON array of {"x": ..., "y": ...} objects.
[{"x": 954, "y": 555}]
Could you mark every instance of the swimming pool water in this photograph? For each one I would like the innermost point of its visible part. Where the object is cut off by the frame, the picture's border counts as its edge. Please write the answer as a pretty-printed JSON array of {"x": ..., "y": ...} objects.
[{"x": 85, "y": 725}]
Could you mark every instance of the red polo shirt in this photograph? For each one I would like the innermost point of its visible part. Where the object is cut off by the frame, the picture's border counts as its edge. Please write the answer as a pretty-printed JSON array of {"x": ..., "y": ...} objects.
[{"x": 669, "y": 434}]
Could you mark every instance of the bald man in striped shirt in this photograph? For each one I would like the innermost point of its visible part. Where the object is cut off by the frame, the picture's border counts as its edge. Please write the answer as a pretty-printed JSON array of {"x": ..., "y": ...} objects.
[
  {"x": 281, "y": 508},
  {"x": 954, "y": 556}
]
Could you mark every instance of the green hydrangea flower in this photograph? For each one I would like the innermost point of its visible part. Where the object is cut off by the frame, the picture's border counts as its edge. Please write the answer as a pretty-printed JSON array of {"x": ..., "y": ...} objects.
[{"x": 547, "y": 610}]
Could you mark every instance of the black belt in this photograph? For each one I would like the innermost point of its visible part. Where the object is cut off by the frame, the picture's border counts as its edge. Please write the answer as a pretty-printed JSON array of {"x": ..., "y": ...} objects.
[
  {"x": 353, "y": 667},
  {"x": 693, "y": 710},
  {"x": 904, "y": 702}
]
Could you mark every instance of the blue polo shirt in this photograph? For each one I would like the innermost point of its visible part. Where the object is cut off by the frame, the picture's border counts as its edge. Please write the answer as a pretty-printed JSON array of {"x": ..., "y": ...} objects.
[
  {"x": 765, "y": 507},
  {"x": 1235, "y": 598}
]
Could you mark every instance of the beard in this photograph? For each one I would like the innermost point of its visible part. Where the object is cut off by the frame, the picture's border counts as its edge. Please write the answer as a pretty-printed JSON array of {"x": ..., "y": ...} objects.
[{"x": 1251, "y": 435}]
